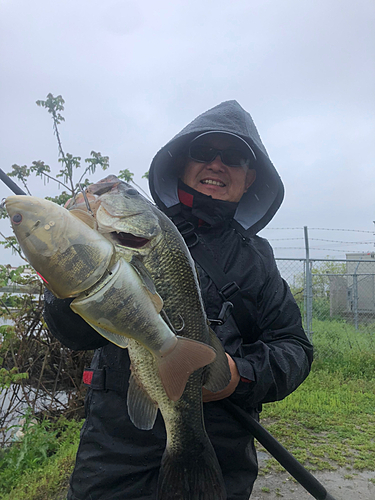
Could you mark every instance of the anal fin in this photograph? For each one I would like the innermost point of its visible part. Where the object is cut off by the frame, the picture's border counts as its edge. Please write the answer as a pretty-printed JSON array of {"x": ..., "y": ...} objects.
[{"x": 142, "y": 409}]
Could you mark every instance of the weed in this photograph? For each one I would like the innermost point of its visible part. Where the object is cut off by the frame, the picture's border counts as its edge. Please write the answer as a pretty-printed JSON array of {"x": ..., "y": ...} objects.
[{"x": 38, "y": 443}]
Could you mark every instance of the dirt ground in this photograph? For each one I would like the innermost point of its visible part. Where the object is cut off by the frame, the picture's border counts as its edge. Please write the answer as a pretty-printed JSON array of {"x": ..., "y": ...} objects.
[{"x": 341, "y": 484}]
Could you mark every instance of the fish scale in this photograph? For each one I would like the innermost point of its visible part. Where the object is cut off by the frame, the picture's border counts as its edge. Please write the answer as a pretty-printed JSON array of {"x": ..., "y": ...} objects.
[{"x": 189, "y": 451}]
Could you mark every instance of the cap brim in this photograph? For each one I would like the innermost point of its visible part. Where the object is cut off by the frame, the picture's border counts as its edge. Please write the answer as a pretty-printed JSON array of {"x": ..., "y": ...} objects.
[{"x": 230, "y": 134}]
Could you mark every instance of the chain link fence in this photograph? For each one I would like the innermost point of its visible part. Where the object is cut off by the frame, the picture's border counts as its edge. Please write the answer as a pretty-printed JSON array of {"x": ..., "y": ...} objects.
[{"x": 337, "y": 302}]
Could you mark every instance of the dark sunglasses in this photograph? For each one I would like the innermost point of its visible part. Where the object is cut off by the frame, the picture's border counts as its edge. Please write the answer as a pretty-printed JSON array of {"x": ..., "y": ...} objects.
[{"x": 231, "y": 157}]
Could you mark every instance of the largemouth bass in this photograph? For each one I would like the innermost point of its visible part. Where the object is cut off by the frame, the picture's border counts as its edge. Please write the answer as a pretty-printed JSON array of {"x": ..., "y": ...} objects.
[{"x": 115, "y": 297}]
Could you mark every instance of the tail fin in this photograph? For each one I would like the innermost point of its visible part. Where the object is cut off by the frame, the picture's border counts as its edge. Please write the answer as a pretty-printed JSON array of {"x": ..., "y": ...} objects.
[
  {"x": 187, "y": 477},
  {"x": 176, "y": 367}
]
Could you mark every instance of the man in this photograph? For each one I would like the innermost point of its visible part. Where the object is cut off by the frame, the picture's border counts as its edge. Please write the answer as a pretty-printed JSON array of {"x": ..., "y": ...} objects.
[{"x": 216, "y": 182}]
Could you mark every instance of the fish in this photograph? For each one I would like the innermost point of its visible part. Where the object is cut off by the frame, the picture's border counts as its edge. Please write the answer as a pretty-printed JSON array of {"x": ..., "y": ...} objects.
[
  {"x": 189, "y": 468},
  {"x": 117, "y": 298},
  {"x": 141, "y": 233}
]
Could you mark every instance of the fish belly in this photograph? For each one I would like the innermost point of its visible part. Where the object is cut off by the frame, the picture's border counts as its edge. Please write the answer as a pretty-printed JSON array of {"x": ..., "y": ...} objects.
[{"x": 121, "y": 305}]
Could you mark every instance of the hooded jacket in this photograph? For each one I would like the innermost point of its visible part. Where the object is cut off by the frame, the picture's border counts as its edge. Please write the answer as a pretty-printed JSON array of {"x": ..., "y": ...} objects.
[
  {"x": 115, "y": 460},
  {"x": 280, "y": 358}
]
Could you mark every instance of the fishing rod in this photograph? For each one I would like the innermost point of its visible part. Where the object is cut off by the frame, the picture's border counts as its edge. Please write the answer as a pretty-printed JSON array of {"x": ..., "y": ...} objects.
[
  {"x": 286, "y": 459},
  {"x": 11, "y": 184},
  {"x": 277, "y": 450}
]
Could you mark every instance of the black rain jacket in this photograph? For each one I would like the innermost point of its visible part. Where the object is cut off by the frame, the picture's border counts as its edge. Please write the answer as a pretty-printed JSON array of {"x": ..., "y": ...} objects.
[{"x": 115, "y": 460}]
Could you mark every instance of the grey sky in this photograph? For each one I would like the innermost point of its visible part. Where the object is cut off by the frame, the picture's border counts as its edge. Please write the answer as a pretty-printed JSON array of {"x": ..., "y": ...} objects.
[{"x": 134, "y": 73}]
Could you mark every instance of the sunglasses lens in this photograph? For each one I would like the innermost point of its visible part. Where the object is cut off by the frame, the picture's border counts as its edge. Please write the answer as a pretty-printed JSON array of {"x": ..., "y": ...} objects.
[
  {"x": 230, "y": 157},
  {"x": 235, "y": 158},
  {"x": 201, "y": 153}
]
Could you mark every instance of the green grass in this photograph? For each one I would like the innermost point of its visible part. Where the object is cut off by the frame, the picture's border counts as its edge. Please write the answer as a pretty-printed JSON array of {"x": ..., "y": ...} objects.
[
  {"x": 38, "y": 467},
  {"x": 339, "y": 347},
  {"x": 329, "y": 421}
]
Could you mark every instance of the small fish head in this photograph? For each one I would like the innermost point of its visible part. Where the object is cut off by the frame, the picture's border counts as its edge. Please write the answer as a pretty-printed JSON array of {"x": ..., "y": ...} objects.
[
  {"x": 36, "y": 224},
  {"x": 66, "y": 252}
]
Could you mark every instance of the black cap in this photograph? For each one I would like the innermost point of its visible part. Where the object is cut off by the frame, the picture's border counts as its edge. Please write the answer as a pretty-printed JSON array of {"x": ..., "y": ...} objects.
[{"x": 242, "y": 142}]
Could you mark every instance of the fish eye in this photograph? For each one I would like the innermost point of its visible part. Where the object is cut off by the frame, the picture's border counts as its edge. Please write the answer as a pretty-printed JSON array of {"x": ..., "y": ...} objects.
[
  {"x": 17, "y": 219},
  {"x": 131, "y": 191}
]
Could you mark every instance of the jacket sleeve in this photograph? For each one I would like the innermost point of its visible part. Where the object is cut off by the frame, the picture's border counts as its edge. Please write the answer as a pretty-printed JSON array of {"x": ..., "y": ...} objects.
[
  {"x": 277, "y": 363},
  {"x": 68, "y": 327}
]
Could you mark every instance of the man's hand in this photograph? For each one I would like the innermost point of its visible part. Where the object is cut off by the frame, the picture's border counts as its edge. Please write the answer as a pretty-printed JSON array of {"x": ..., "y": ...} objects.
[{"x": 229, "y": 389}]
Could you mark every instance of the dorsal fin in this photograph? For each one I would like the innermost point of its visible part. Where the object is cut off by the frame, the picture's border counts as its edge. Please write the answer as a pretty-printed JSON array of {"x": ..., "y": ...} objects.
[
  {"x": 115, "y": 338},
  {"x": 217, "y": 374},
  {"x": 84, "y": 217}
]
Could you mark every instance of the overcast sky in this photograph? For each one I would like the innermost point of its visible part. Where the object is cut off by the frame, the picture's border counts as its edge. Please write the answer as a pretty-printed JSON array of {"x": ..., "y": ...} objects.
[{"x": 134, "y": 73}]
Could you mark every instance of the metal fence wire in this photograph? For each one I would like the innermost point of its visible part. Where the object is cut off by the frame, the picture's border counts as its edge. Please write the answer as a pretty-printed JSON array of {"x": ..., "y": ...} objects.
[{"x": 336, "y": 299}]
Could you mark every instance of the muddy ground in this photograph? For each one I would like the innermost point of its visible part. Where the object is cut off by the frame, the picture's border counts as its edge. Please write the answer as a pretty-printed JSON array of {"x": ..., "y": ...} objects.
[{"x": 341, "y": 484}]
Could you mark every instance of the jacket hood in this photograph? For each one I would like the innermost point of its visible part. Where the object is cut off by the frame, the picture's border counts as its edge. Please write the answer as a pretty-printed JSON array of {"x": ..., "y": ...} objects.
[{"x": 264, "y": 197}]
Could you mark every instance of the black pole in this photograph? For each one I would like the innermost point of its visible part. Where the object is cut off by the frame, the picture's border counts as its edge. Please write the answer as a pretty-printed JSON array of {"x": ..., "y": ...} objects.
[
  {"x": 295, "y": 469},
  {"x": 11, "y": 184}
]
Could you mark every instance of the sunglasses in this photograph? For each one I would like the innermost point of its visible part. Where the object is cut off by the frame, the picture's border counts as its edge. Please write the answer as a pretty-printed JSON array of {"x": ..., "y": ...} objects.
[{"x": 230, "y": 157}]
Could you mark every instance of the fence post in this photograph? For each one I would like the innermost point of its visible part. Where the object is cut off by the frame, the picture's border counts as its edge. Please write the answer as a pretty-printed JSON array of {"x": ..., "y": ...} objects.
[
  {"x": 355, "y": 297},
  {"x": 308, "y": 289}
]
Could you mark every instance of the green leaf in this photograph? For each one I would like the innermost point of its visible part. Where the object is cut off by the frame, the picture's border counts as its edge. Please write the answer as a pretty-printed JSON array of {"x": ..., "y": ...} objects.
[
  {"x": 20, "y": 173},
  {"x": 40, "y": 168},
  {"x": 60, "y": 199},
  {"x": 126, "y": 175}
]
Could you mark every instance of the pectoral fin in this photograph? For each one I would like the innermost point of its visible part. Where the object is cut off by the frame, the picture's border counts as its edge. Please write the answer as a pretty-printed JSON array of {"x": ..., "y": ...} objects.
[
  {"x": 144, "y": 274},
  {"x": 141, "y": 408},
  {"x": 147, "y": 283}
]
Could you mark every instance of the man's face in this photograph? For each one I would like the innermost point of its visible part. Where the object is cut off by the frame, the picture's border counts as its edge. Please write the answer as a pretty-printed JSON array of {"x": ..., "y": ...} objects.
[{"x": 216, "y": 179}]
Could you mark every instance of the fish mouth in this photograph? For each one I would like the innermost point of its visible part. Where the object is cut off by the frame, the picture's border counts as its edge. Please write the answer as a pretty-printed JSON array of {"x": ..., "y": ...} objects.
[{"x": 129, "y": 240}]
